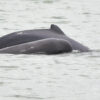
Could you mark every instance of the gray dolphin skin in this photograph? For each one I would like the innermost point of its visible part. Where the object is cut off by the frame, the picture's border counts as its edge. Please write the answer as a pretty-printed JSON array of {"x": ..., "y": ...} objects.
[
  {"x": 47, "y": 46},
  {"x": 49, "y": 41}
]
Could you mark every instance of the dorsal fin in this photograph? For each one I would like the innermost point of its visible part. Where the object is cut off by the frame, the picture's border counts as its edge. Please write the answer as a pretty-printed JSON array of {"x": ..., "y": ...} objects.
[{"x": 56, "y": 29}]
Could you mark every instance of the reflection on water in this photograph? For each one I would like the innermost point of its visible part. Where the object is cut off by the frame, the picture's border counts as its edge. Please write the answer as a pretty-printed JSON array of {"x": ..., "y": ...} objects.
[{"x": 72, "y": 76}]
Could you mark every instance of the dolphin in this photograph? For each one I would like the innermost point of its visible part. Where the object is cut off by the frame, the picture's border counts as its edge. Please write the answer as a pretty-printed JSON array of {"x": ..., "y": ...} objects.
[
  {"x": 43, "y": 46},
  {"x": 25, "y": 36}
]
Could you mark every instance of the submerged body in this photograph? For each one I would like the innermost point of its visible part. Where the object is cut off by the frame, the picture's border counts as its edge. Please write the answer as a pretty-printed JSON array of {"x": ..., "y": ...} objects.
[{"x": 29, "y": 36}]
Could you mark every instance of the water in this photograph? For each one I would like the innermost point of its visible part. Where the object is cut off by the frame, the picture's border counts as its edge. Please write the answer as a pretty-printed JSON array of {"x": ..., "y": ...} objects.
[{"x": 73, "y": 76}]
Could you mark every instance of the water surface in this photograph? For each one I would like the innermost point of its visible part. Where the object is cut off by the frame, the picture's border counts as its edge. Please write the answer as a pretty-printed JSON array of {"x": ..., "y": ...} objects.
[{"x": 72, "y": 76}]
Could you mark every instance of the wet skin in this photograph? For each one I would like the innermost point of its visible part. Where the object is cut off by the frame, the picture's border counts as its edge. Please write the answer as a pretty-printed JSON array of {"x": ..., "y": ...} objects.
[
  {"x": 46, "y": 46},
  {"x": 30, "y": 36}
]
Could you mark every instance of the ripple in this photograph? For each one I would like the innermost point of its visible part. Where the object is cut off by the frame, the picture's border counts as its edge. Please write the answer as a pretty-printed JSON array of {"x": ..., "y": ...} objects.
[
  {"x": 31, "y": 97},
  {"x": 58, "y": 17},
  {"x": 94, "y": 54},
  {"x": 1, "y": 83},
  {"x": 10, "y": 78},
  {"x": 85, "y": 76},
  {"x": 48, "y": 1},
  {"x": 11, "y": 67}
]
